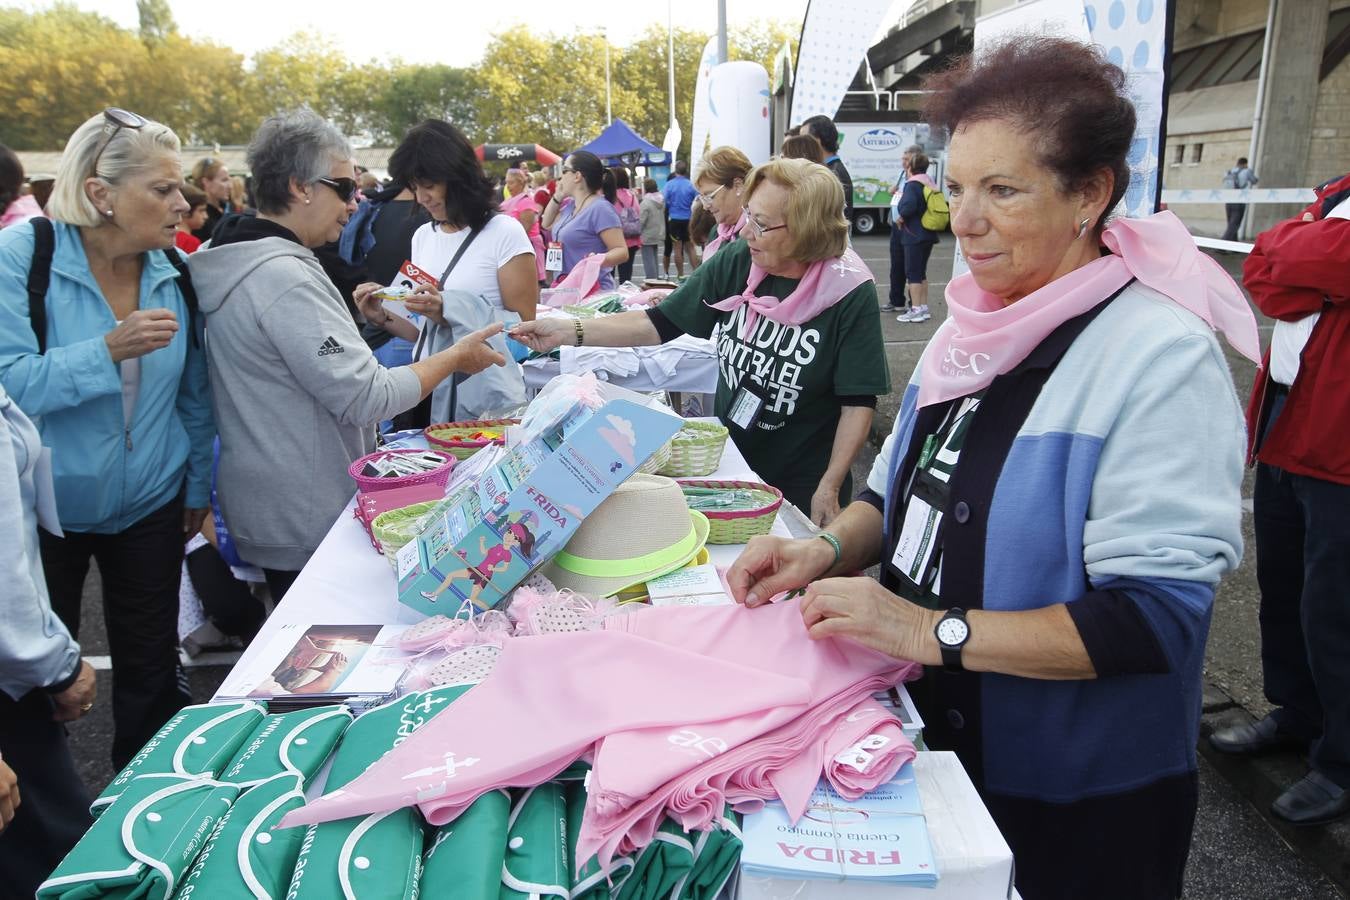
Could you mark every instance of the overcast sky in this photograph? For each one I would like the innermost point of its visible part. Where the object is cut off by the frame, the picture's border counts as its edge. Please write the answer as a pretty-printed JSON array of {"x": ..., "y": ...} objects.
[{"x": 449, "y": 31}]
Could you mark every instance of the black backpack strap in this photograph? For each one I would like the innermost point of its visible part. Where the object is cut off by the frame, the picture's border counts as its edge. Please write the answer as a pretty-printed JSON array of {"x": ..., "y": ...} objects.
[
  {"x": 187, "y": 290},
  {"x": 40, "y": 277}
]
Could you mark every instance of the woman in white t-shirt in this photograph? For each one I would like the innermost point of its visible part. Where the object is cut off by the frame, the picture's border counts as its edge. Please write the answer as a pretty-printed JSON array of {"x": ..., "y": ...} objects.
[{"x": 497, "y": 264}]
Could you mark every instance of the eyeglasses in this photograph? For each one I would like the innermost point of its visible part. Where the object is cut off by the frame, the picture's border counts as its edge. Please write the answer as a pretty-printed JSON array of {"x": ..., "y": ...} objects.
[
  {"x": 114, "y": 120},
  {"x": 345, "y": 188},
  {"x": 707, "y": 199},
  {"x": 758, "y": 228}
]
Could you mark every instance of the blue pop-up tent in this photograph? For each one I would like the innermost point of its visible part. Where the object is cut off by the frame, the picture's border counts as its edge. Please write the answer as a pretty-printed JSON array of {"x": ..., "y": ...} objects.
[{"x": 619, "y": 141}]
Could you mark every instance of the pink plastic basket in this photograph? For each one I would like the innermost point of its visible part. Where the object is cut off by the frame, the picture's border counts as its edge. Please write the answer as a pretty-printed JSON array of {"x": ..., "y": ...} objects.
[{"x": 439, "y": 475}]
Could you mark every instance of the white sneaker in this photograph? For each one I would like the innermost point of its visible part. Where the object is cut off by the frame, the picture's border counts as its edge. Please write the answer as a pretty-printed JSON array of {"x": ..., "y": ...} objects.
[
  {"x": 917, "y": 315},
  {"x": 906, "y": 316}
]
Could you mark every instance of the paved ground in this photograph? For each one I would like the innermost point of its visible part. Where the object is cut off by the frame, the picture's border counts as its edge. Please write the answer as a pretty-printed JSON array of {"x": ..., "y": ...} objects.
[{"x": 1237, "y": 854}]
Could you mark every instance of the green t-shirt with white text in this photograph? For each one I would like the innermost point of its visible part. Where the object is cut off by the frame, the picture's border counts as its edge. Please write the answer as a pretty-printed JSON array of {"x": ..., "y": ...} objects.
[{"x": 803, "y": 369}]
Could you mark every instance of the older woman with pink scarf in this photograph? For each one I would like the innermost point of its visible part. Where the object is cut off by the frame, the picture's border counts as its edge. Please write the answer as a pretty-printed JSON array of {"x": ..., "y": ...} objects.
[
  {"x": 522, "y": 207},
  {"x": 801, "y": 361},
  {"x": 1062, "y": 490}
]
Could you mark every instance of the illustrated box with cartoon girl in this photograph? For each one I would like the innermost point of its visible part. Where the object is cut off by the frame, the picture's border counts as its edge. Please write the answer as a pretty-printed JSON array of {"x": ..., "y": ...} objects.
[{"x": 529, "y": 506}]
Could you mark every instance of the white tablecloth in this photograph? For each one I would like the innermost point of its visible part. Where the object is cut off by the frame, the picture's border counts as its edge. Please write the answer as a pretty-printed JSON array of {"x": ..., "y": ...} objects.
[{"x": 348, "y": 583}]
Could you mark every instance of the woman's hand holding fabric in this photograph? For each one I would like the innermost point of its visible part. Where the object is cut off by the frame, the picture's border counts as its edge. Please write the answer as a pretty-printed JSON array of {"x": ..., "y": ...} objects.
[
  {"x": 142, "y": 332},
  {"x": 770, "y": 565},
  {"x": 862, "y": 610},
  {"x": 543, "y": 335},
  {"x": 426, "y": 301}
]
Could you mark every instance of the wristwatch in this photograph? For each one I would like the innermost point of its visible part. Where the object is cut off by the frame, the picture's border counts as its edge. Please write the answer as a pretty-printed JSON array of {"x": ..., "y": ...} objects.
[{"x": 952, "y": 632}]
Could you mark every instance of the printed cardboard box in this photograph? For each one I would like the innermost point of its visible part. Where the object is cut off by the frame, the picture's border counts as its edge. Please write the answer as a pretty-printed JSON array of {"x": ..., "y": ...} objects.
[{"x": 486, "y": 537}]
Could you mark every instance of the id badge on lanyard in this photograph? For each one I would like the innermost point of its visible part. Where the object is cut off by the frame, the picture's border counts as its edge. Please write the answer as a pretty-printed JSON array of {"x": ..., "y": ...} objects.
[
  {"x": 918, "y": 551},
  {"x": 747, "y": 404},
  {"x": 553, "y": 257}
]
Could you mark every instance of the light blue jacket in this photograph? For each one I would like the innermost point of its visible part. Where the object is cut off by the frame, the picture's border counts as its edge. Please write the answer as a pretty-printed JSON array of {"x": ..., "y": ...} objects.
[
  {"x": 109, "y": 473},
  {"x": 36, "y": 650}
]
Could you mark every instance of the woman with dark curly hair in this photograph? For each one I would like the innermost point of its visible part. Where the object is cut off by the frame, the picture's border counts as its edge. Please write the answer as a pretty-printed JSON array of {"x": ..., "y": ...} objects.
[
  {"x": 467, "y": 245},
  {"x": 1062, "y": 489}
]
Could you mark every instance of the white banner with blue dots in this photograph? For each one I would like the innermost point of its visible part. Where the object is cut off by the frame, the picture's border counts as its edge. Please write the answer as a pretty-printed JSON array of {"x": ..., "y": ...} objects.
[{"x": 835, "y": 39}]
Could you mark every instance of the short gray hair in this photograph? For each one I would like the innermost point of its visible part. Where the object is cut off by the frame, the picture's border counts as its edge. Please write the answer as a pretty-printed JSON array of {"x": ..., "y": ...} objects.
[
  {"x": 128, "y": 151},
  {"x": 914, "y": 148},
  {"x": 299, "y": 144}
]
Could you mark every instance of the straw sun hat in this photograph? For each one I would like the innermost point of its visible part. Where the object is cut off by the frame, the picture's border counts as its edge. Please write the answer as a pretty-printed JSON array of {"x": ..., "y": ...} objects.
[{"x": 642, "y": 530}]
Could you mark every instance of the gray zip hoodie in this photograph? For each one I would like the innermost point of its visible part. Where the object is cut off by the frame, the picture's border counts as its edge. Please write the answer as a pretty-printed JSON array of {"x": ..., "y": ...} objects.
[{"x": 296, "y": 391}]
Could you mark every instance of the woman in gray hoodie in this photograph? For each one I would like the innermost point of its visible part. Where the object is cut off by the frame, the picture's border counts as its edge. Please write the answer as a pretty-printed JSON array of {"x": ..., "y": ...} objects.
[{"x": 296, "y": 391}]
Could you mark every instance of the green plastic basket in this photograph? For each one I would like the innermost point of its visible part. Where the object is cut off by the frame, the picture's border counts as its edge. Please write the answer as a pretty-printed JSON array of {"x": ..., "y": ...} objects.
[
  {"x": 394, "y": 528},
  {"x": 696, "y": 450},
  {"x": 739, "y": 526}
]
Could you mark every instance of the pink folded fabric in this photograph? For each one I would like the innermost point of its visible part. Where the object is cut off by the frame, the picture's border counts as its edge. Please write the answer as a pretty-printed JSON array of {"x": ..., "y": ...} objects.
[
  {"x": 866, "y": 749},
  {"x": 549, "y": 698},
  {"x": 642, "y": 775}
]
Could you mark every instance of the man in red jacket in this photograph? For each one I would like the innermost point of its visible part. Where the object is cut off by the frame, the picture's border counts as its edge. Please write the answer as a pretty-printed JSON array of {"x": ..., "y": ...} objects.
[{"x": 1298, "y": 421}]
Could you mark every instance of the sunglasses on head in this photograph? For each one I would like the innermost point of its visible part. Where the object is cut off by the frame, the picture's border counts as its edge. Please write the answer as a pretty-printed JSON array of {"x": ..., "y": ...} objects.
[
  {"x": 114, "y": 120},
  {"x": 345, "y": 188}
]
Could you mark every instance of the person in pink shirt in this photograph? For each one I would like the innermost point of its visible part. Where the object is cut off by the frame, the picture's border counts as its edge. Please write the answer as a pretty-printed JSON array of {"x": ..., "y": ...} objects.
[
  {"x": 523, "y": 207},
  {"x": 15, "y": 206}
]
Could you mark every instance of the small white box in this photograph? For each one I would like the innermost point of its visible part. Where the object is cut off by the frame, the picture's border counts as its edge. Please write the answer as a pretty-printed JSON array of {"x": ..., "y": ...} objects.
[{"x": 973, "y": 860}]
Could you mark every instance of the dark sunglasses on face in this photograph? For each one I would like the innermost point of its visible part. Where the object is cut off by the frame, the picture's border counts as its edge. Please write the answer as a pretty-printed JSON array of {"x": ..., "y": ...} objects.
[
  {"x": 114, "y": 120},
  {"x": 345, "y": 188}
]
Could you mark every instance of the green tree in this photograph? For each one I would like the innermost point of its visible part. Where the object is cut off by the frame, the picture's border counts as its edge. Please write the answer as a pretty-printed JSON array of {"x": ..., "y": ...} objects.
[
  {"x": 412, "y": 94},
  {"x": 156, "y": 21},
  {"x": 547, "y": 90},
  {"x": 61, "y": 66},
  {"x": 303, "y": 70},
  {"x": 642, "y": 69}
]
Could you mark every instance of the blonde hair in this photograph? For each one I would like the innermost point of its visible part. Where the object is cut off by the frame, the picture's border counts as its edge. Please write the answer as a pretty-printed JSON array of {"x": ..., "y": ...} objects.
[
  {"x": 205, "y": 168},
  {"x": 129, "y": 151},
  {"x": 238, "y": 192},
  {"x": 539, "y": 179},
  {"x": 723, "y": 165},
  {"x": 815, "y": 207}
]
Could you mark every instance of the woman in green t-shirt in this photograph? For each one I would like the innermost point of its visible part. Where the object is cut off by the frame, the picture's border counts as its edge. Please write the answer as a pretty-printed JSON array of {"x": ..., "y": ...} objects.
[{"x": 798, "y": 376}]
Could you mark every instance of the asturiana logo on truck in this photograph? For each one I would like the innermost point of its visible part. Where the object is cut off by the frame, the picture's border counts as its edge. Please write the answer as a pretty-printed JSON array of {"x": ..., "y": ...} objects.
[{"x": 879, "y": 139}]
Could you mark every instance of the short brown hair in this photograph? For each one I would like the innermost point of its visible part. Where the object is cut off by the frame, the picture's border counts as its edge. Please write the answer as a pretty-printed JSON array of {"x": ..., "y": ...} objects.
[
  {"x": 723, "y": 165},
  {"x": 194, "y": 196},
  {"x": 803, "y": 146},
  {"x": 1064, "y": 91},
  {"x": 815, "y": 208},
  {"x": 918, "y": 162}
]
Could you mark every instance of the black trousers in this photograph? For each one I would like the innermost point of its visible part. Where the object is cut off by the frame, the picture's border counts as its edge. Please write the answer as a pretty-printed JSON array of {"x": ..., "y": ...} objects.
[
  {"x": 897, "y": 289},
  {"x": 1303, "y": 569},
  {"x": 54, "y": 806},
  {"x": 279, "y": 581},
  {"x": 1235, "y": 212},
  {"x": 624, "y": 271},
  {"x": 140, "y": 567}
]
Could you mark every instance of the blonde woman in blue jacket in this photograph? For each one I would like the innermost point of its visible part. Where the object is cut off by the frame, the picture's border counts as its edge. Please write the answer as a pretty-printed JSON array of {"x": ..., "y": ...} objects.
[{"x": 120, "y": 395}]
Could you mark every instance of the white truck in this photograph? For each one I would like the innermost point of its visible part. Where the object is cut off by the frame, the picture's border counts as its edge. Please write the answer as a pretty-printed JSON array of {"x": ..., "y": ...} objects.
[{"x": 872, "y": 153}]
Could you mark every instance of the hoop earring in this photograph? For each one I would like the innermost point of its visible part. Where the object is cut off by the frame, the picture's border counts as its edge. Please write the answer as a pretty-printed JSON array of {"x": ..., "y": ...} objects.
[{"x": 1082, "y": 227}]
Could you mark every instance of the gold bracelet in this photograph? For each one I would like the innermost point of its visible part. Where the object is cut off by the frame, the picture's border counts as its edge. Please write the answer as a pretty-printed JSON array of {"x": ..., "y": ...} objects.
[{"x": 581, "y": 332}]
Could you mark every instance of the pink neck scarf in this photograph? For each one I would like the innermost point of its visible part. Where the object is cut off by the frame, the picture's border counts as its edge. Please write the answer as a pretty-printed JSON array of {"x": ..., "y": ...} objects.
[
  {"x": 982, "y": 338},
  {"x": 924, "y": 179},
  {"x": 826, "y": 282},
  {"x": 724, "y": 233}
]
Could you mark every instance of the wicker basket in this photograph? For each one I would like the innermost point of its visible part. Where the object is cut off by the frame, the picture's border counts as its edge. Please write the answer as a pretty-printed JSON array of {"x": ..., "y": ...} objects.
[
  {"x": 439, "y": 475},
  {"x": 696, "y": 450},
  {"x": 454, "y": 436},
  {"x": 739, "y": 526},
  {"x": 394, "y": 528},
  {"x": 657, "y": 461}
]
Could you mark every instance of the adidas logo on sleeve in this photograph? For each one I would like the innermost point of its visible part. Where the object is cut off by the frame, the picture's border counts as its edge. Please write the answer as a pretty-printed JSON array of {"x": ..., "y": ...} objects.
[{"x": 329, "y": 347}]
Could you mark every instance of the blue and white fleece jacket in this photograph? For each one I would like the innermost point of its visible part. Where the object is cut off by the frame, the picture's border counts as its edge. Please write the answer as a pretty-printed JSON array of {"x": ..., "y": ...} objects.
[{"x": 1120, "y": 495}]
